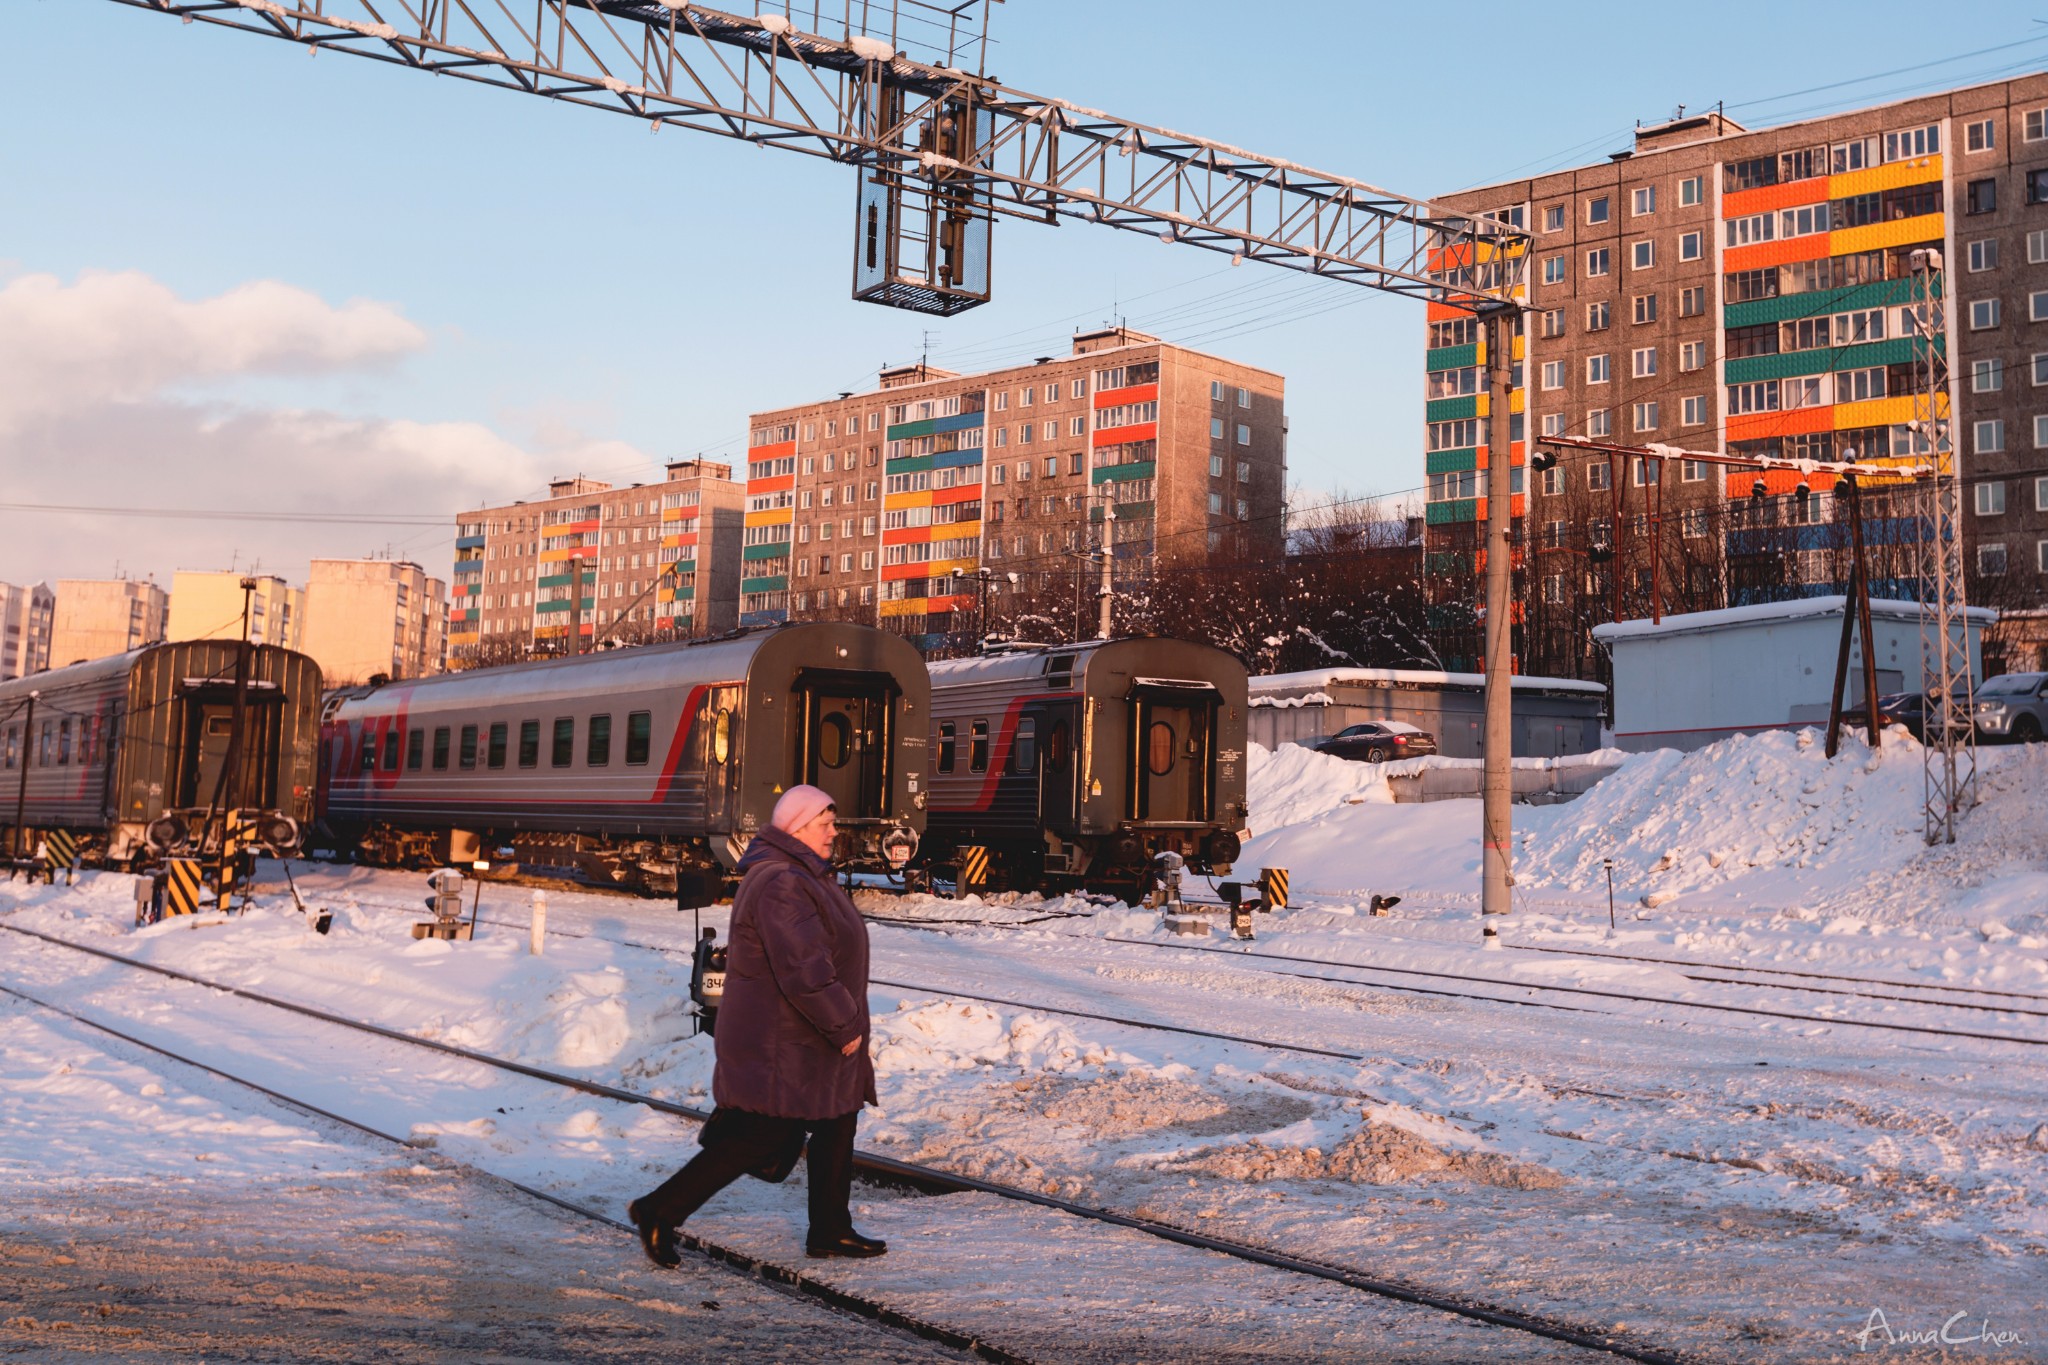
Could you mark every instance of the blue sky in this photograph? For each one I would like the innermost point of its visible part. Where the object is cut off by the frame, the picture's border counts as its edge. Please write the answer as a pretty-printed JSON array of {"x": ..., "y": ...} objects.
[{"x": 582, "y": 294}]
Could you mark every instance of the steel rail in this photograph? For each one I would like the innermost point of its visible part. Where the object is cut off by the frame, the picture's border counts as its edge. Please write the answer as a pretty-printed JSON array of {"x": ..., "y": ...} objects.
[
  {"x": 1810, "y": 976},
  {"x": 893, "y": 1171},
  {"x": 1592, "y": 991},
  {"x": 776, "y": 1275}
]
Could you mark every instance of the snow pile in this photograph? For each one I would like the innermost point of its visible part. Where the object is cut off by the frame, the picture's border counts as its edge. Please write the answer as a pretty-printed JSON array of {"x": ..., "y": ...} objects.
[
  {"x": 959, "y": 1035},
  {"x": 1293, "y": 785}
]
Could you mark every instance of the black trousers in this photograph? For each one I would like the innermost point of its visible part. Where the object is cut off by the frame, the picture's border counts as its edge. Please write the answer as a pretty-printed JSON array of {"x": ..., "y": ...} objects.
[{"x": 752, "y": 1144}]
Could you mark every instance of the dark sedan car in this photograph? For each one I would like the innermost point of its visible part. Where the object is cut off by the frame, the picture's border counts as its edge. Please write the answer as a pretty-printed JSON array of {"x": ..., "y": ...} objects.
[
  {"x": 1898, "y": 708},
  {"x": 1376, "y": 741}
]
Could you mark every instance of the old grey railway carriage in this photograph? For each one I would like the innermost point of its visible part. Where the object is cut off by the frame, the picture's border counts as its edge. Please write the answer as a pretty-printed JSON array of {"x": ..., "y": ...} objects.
[
  {"x": 630, "y": 766},
  {"x": 1078, "y": 764},
  {"x": 135, "y": 753}
]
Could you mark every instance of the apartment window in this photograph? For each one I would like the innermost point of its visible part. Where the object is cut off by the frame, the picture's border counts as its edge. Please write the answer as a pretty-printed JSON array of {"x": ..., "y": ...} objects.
[
  {"x": 1692, "y": 302},
  {"x": 1553, "y": 218},
  {"x": 1599, "y": 422},
  {"x": 1244, "y": 434},
  {"x": 1553, "y": 588},
  {"x": 1860, "y": 386},
  {"x": 1692, "y": 412},
  {"x": 1598, "y": 315},
  {"x": 1553, "y": 424},
  {"x": 2037, "y": 186},
  {"x": 1642, "y": 255},
  {"x": 1645, "y": 308},
  {"x": 2037, "y": 246},
  {"x": 2041, "y": 556},
  {"x": 1912, "y": 142},
  {"x": 1553, "y": 374},
  {"x": 1553, "y": 270},
  {"x": 1990, "y": 560},
  {"x": 1552, "y": 482},
  {"x": 1980, "y": 196},
  {"x": 1643, "y": 201},
  {"x": 1983, "y": 314},
  {"x": 1692, "y": 190},
  {"x": 1003, "y": 401},
  {"x": 1597, "y": 210},
  {"x": 1078, "y": 427},
  {"x": 1758, "y": 397},
  {"x": 1215, "y": 504},
  {"x": 1599, "y": 476},
  {"x": 1599, "y": 261},
  {"x": 1597, "y": 369},
  {"x": 2037, "y": 306},
  {"x": 1690, "y": 246},
  {"x": 2040, "y": 438},
  {"x": 1757, "y": 227},
  {"x": 1215, "y": 428},
  {"x": 1026, "y": 395},
  {"x": 1692, "y": 355},
  {"x": 1981, "y": 136},
  {"x": 1244, "y": 398},
  {"x": 1989, "y": 437},
  {"x": 1215, "y": 466},
  {"x": 1987, "y": 376},
  {"x": 1643, "y": 361},
  {"x": 1553, "y": 320},
  {"x": 1692, "y": 471},
  {"x": 1991, "y": 498},
  {"x": 2040, "y": 368},
  {"x": 1646, "y": 416},
  {"x": 2041, "y": 495},
  {"x": 2034, "y": 125}
]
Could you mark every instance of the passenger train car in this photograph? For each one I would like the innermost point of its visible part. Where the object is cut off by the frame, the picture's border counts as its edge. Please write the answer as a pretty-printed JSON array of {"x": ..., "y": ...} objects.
[
  {"x": 636, "y": 766},
  {"x": 135, "y": 752},
  {"x": 1079, "y": 764}
]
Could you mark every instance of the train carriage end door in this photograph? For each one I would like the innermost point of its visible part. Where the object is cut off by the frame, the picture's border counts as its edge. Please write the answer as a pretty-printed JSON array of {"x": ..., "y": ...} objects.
[
  {"x": 212, "y": 729},
  {"x": 719, "y": 726},
  {"x": 846, "y": 741},
  {"x": 1058, "y": 767},
  {"x": 1173, "y": 752}
]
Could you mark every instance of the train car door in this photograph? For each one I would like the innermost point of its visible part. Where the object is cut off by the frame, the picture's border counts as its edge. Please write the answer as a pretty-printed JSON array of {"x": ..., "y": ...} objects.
[
  {"x": 212, "y": 731},
  {"x": 1173, "y": 751},
  {"x": 1058, "y": 781},
  {"x": 846, "y": 741},
  {"x": 719, "y": 723}
]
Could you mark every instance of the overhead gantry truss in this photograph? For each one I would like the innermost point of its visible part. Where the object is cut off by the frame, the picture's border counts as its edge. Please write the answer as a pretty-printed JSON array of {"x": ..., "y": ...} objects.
[{"x": 857, "y": 100}]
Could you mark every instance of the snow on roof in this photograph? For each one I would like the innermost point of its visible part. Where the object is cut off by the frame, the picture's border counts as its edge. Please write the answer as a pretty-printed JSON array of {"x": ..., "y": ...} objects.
[
  {"x": 1318, "y": 679},
  {"x": 1767, "y": 613}
]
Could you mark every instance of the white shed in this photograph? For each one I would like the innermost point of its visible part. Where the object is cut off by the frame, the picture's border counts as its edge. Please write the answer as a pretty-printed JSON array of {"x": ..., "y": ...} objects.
[{"x": 1686, "y": 681}]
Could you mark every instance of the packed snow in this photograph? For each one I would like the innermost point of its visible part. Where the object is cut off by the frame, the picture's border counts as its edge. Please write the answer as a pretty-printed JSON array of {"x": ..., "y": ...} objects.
[{"x": 1734, "y": 1186}]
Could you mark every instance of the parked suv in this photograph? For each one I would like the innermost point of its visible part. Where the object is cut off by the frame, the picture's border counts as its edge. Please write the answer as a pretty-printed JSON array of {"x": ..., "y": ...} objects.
[
  {"x": 1376, "y": 741},
  {"x": 2013, "y": 706}
]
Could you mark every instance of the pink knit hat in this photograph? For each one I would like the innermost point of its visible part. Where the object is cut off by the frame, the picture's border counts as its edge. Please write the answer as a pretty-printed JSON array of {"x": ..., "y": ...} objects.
[{"x": 799, "y": 806}]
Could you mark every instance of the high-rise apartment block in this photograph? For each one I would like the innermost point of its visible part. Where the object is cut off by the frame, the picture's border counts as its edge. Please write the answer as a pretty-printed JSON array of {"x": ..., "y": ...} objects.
[
  {"x": 98, "y": 617},
  {"x": 653, "y": 561},
  {"x": 26, "y": 616},
  {"x": 1721, "y": 289},
  {"x": 884, "y": 506},
  {"x": 370, "y": 616},
  {"x": 207, "y": 605}
]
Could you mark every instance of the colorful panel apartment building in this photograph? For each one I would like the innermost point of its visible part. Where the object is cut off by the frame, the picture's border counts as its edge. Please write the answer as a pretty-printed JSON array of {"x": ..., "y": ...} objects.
[
  {"x": 1722, "y": 289},
  {"x": 892, "y": 506},
  {"x": 648, "y": 562}
]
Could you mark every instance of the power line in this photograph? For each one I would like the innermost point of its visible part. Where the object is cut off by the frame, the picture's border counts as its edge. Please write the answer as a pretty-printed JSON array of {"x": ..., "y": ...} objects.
[{"x": 233, "y": 514}]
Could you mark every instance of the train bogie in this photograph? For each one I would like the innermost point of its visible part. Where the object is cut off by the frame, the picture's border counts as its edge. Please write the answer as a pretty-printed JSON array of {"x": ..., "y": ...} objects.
[
  {"x": 636, "y": 766},
  {"x": 1078, "y": 765}
]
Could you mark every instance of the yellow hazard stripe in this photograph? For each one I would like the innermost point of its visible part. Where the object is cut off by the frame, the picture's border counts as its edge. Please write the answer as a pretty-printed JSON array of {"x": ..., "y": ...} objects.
[
  {"x": 182, "y": 887},
  {"x": 974, "y": 864}
]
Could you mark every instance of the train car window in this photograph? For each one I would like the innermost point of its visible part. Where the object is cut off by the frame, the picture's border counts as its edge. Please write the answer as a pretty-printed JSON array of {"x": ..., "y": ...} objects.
[
  {"x": 835, "y": 740},
  {"x": 46, "y": 744},
  {"x": 1058, "y": 746},
  {"x": 639, "y": 735},
  {"x": 1159, "y": 748},
  {"x": 529, "y": 744},
  {"x": 494, "y": 752},
  {"x": 597, "y": 750},
  {"x": 390, "y": 760},
  {"x": 415, "y": 749},
  {"x": 468, "y": 746},
  {"x": 947, "y": 742},
  {"x": 369, "y": 764},
  {"x": 440, "y": 748},
  {"x": 721, "y": 736},
  {"x": 13, "y": 746},
  {"x": 564, "y": 748},
  {"x": 64, "y": 741},
  {"x": 1024, "y": 754},
  {"x": 977, "y": 747}
]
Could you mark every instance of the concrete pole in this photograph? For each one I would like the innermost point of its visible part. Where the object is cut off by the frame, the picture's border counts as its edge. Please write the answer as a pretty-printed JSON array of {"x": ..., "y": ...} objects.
[
  {"x": 575, "y": 604},
  {"x": 1497, "y": 790},
  {"x": 1105, "y": 594},
  {"x": 28, "y": 740}
]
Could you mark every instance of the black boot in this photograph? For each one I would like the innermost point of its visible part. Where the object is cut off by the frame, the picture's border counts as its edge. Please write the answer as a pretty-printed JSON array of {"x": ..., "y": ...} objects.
[
  {"x": 848, "y": 1243},
  {"x": 657, "y": 1241}
]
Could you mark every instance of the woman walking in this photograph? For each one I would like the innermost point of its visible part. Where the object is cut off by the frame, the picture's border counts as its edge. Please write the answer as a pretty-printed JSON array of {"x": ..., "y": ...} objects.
[{"x": 793, "y": 1069}]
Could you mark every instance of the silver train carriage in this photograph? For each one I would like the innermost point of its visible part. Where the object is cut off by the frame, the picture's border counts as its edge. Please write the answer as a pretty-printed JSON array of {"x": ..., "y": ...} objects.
[
  {"x": 635, "y": 766},
  {"x": 134, "y": 753},
  {"x": 1078, "y": 764}
]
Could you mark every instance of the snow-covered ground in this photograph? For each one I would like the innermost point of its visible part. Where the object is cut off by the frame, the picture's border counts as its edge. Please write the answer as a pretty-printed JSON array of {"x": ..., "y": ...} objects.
[{"x": 1735, "y": 1186}]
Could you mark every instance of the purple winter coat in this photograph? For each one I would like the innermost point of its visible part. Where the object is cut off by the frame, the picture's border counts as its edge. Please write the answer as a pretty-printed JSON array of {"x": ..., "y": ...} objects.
[{"x": 796, "y": 990}]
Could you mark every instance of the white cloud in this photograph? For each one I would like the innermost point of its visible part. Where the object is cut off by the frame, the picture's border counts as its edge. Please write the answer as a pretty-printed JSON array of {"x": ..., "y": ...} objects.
[{"x": 98, "y": 408}]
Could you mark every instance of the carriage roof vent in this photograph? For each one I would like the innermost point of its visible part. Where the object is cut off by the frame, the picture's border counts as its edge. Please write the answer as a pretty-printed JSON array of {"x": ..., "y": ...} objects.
[{"x": 1060, "y": 667}]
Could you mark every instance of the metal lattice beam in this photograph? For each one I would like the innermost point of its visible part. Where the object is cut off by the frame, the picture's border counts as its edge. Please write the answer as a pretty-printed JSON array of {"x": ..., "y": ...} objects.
[{"x": 758, "y": 78}]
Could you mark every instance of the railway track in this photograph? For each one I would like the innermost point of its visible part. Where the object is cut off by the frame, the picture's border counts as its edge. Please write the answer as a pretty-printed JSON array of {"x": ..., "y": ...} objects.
[{"x": 873, "y": 1167}]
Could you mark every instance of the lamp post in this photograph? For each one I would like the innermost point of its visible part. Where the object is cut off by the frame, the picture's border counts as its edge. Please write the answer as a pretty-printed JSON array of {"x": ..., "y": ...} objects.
[{"x": 28, "y": 725}]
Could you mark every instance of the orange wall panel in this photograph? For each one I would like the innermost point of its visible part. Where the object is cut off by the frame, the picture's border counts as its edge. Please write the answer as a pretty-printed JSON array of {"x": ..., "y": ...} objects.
[{"x": 1764, "y": 198}]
